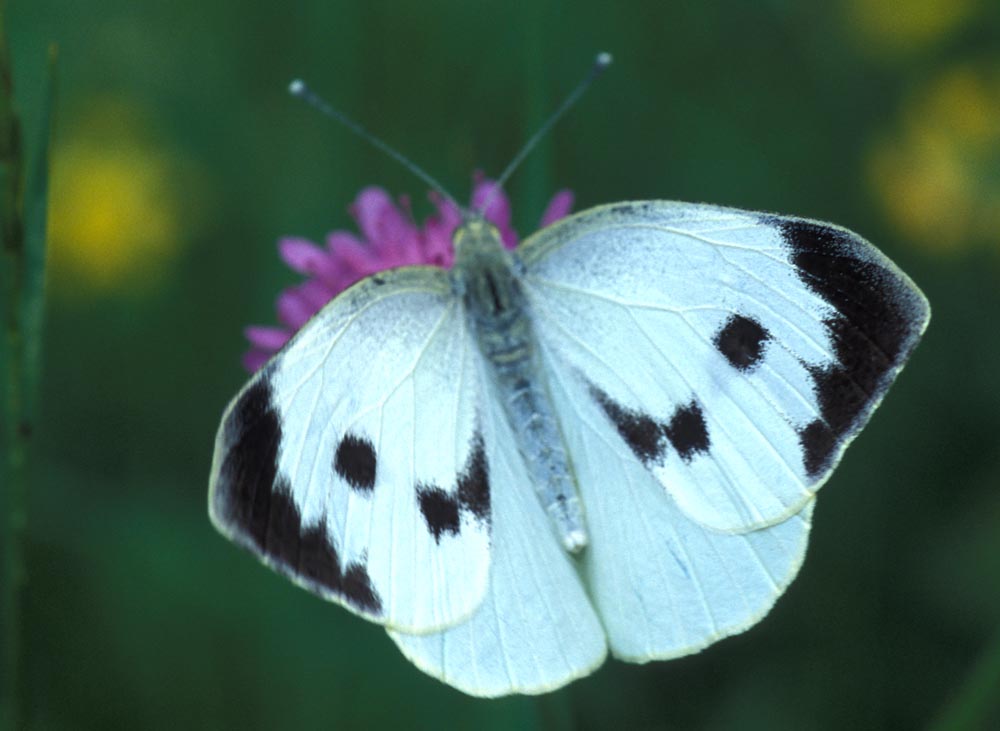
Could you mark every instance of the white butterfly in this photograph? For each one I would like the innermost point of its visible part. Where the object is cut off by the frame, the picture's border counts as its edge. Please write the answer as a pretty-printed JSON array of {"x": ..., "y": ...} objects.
[{"x": 610, "y": 438}]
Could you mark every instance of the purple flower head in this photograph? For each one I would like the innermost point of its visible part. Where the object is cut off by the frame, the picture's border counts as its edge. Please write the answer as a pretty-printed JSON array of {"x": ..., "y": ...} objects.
[{"x": 389, "y": 238}]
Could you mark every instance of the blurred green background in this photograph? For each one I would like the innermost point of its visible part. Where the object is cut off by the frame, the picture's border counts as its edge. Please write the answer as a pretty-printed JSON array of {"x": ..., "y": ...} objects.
[{"x": 180, "y": 160}]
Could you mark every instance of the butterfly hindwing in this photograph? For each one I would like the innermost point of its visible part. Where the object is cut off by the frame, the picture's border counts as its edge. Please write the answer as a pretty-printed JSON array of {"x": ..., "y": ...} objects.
[
  {"x": 664, "y": 585},
  {"x": 536, "y": 628},
  {"x": 354, "y": 461},
  {"x": 735, "y": 354}
]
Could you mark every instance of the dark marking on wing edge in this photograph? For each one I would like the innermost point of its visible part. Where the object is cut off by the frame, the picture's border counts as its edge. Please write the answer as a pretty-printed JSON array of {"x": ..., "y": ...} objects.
[
  {"x": 253, "y": 436},
  {"x": 256, "y": 504},
  {"x": 309, "y": 553},
  {"x": 442, "y": 510},
  {"x": 687, "y": 431},
  {"x": 741, "y": 341},
  {"x": 631, "y": 209},
  {"x": 355, "y": 462},
  {"x": 641, "y": 432},
  {"x": 880, "y": 316}
]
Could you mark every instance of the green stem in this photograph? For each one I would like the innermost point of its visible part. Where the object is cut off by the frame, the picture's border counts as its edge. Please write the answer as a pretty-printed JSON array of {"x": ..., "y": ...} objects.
[
  {"x": 14, "y": 533},
  {"x": 22, "y": 267},
  {"x": 14, "y": 443}
]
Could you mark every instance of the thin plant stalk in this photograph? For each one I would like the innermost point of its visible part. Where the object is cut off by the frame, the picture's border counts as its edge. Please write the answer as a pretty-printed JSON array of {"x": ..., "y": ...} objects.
[{"x": 23, "y": 214}]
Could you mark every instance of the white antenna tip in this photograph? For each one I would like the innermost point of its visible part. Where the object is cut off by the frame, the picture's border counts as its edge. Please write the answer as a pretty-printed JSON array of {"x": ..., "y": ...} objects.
[
  {"x": 297, "y": 87},
  {"x": 604, "y": 59}
]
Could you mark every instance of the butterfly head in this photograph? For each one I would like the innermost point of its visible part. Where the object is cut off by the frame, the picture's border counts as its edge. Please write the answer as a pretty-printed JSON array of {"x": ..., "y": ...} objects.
[
  {"x": 475, "y": 239},
  {"x": 483, "y": 271}
]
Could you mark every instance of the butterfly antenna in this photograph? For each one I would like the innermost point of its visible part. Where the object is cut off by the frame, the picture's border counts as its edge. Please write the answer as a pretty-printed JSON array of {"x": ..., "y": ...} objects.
[
  {"x": 602, "y": 61},
  {"x": 300, "y": 90}
]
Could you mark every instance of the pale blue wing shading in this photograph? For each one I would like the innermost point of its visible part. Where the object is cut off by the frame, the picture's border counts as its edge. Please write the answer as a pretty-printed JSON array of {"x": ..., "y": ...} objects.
[
  {"x": 735, "y": 354},
  {"x": 353, "y": 462}
]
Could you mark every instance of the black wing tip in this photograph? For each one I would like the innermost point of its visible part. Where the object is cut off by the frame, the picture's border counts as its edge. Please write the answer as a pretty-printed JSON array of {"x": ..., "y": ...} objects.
[
  {"x": 252, "y": 505},
  {"x": 880, "y": 317},
  {"x": 303, "y": 554}
]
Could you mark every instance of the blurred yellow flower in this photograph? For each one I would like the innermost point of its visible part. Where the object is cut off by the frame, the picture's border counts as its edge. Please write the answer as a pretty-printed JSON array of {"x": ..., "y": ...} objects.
[
  {"x": 898, "y": 27},
  {"x": 117, "y": 205},
  {"x": 938, "y": 175}
]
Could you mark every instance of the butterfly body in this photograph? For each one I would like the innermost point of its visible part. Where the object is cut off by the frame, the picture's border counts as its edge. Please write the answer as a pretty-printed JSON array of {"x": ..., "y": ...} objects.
[
  {"x": 486, "y": 276},
  {"x": 666, "y": 384}
]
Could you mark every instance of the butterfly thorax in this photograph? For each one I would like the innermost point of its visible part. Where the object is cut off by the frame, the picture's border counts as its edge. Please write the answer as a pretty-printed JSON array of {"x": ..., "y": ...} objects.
[{"x": 486, "y": 278}]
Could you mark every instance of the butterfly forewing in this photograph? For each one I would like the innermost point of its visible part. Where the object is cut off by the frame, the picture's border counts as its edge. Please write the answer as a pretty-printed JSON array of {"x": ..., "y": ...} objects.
[
  {"x": 735, "y": 354},
  {"x": 354, "y": 461}
]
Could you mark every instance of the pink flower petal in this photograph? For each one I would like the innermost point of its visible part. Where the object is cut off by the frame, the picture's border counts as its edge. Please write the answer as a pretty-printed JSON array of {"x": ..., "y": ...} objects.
[
  {"x": 254, "y": 359},
  {"x": 297, "y": 304},
  {"x": 368, "y": 208},
  {"x": 389, "y": 238},
  {"x": 294, "y": 310},
  {"x": 498, "y": 210},
  {"x": 499, "y": 206},
  {"x": 299, "y": 254},
  {"x": 438, "y": 231},
  {"x": 306, "y": 258},
  {"x": 316, "y": 293},
  {"x": 391, "y": 233},
  {"x": 445, "y": 212},
  {"x": 355, "y": 257},
  {"x": 267, "y": 338},
  {"x": 559, "y": 207}
]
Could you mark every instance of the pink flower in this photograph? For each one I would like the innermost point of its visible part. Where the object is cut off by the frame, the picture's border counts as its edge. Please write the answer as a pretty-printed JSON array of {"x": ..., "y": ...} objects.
[{"x": 389, "y": 238}]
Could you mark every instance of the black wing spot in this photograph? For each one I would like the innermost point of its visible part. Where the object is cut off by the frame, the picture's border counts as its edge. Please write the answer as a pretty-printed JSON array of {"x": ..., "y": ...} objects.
[
  {"x": 741, "y": 341},
  {"x": 442, "y": 512},
  {"x": 877, "y": 326},
  {"x": 474, "y": 482},
  {"x": 641, "y": 432},
  {"x": 687, "y": 431},
  {"x": 355, "y": 462}
]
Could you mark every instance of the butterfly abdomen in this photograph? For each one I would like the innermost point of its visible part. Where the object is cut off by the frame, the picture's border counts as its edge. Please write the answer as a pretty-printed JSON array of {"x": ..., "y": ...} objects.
[
  {"x": 529, "y": 410},
  {"x": 497, "y": 313}
]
